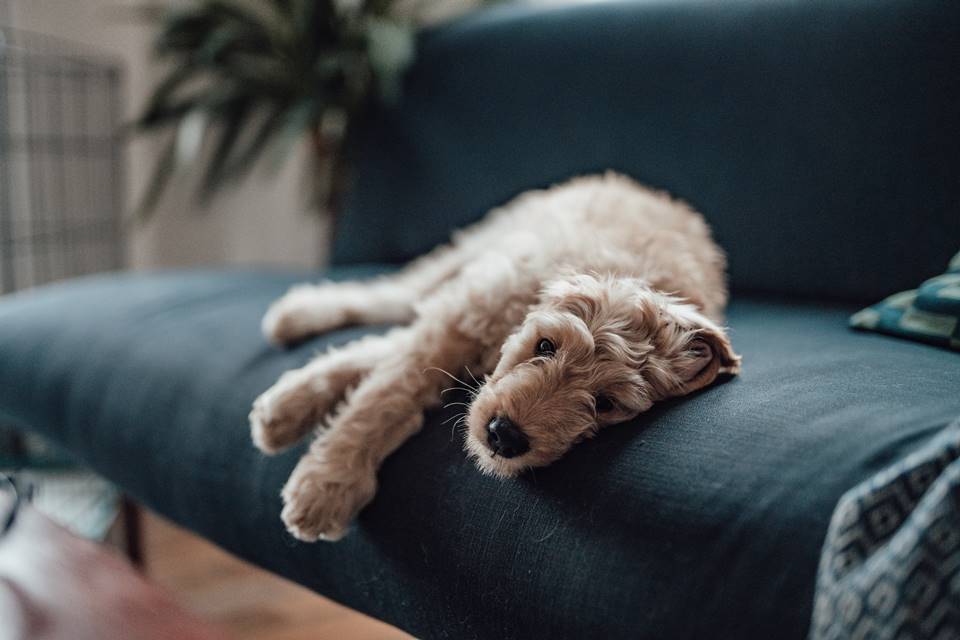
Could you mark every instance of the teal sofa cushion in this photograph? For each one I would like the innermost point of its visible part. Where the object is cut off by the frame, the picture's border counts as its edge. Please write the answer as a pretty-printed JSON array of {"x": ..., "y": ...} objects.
[
  {"x": 716, "y": 503},
  {"x": 929, "y": 313},
  {"x": 806, "y": 132}
]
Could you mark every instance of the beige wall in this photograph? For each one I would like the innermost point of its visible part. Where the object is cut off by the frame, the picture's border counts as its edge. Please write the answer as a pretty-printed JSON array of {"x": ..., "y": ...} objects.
[{"x": 264, "y": 221}]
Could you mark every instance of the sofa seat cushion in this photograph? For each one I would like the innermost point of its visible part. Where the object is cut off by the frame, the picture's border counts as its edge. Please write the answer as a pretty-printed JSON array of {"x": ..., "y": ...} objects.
[{"x": 702, "y": 518}]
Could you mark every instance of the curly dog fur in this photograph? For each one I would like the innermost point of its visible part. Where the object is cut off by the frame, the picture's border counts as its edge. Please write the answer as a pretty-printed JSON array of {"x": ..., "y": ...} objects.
[{"x": 582, "y": 305}]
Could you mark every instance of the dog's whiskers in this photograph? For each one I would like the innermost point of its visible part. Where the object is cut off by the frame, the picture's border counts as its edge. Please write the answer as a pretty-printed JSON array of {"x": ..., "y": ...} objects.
[
  {"x": 471, "y": 392},
  {"x": 473, "y": 377},
  {"x": 453, "y": 417},
  {"x": 461, "y": 421},
  {"x": 452, "y": 377},
  {"x": 456, "y": 416}
]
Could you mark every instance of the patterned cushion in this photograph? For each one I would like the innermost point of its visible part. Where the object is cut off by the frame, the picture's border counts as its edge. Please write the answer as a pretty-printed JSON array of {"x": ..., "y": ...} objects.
[{"x": 930, "y": 313}]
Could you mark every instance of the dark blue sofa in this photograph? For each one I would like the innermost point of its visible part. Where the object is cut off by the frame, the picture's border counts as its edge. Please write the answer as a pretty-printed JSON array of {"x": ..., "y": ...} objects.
[{"x": 821, "y": 141}]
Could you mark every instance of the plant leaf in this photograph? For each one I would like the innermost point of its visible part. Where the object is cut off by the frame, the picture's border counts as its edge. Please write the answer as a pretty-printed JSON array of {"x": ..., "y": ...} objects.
[
  {"x": 163, "y": 170},
  {"x": 161, "y": 108},
  {"x": 229, "y": 132},
  {"x": 245, "y": 159}
]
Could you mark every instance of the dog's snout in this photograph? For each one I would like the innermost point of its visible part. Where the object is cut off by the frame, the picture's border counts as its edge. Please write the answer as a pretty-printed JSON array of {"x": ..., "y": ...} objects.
[{"x": 505, "y": 438}]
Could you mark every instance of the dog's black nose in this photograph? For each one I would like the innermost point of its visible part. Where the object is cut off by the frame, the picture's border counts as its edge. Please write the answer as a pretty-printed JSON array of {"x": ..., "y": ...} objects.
[{"x": 505, "y": 438}]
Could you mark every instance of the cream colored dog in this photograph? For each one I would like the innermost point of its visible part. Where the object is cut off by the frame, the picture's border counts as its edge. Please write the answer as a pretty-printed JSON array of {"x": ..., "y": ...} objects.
[{"x": 585, "y": 303}]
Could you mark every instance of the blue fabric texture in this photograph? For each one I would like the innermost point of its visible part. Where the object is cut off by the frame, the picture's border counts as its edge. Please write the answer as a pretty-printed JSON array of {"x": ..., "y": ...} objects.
[
  {"x": 819, "y": 138},
  {"x": 930, "y": 313},
  {"x": 717, "y": 503},
  {"x": 891, "y": 562}
]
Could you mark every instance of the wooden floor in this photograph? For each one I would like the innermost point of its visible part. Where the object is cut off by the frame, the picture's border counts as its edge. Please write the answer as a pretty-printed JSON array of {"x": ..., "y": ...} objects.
[{"x": 247, "y": 602}]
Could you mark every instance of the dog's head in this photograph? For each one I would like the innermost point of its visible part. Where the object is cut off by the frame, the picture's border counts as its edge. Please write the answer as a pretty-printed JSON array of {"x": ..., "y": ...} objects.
[{"x": 594, "y": 351}]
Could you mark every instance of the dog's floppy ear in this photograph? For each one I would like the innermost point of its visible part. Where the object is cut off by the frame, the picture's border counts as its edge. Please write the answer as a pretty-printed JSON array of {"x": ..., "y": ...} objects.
[
  {"x": 697, "y": 351},
  {"x": 707, "y": 355}
]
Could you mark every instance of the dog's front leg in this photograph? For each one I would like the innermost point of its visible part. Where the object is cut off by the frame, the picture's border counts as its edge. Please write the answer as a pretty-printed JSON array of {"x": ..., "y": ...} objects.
[
  {"x": 461, "y": 324},
  {"x": 336, "y": 478},
  {"x": 302, "y": 398}
]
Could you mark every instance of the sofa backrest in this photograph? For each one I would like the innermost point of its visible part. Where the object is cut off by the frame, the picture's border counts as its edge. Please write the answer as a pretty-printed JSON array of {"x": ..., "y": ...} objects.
[{"x": 821, "y": 139}]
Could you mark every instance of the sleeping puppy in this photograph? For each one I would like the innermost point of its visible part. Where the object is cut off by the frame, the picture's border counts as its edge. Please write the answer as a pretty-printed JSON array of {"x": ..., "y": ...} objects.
[{"x": 582, "y": 305}]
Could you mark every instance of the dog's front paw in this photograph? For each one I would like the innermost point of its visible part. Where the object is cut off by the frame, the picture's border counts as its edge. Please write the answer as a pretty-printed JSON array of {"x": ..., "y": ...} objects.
[
  {"x": 320, "y": 503},
  {"x": 283, "y": 414},
  {"x": 304, "y": 311}
]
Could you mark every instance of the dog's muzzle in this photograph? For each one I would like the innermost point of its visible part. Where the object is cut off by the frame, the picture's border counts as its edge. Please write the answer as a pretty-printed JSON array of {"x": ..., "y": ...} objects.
[{"x": 505, "y": 438}]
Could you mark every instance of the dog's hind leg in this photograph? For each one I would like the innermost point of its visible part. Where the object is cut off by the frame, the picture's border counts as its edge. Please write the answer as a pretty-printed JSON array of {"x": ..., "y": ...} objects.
[
  {"x": 309, "y": 309},
  {"x": 300, "y": 400}
]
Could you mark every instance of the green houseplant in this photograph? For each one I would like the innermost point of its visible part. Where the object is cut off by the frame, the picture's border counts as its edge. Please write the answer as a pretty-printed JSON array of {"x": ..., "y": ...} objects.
[{"x": 246, "y": 78}]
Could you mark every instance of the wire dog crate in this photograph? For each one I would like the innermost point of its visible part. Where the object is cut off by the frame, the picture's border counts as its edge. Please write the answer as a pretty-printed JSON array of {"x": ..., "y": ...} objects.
[
  {"x": 61, "y": 182},
  {"x": 61, "y": 198}
]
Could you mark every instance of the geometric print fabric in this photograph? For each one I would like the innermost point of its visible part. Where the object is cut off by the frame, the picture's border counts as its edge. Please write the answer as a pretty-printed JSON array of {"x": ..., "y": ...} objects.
[{"x": 890, "y": 565}]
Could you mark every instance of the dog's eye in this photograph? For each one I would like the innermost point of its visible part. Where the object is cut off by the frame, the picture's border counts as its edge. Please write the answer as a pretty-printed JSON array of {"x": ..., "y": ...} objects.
[
  {"x": 603, "y": 403},
  {"x": 545, "y": 348}
]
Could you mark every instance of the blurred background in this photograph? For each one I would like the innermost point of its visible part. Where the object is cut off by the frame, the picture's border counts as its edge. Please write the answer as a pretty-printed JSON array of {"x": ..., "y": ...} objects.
[
  {"x": 266, "y": 219},
  {"x": 102, "y": 168}
]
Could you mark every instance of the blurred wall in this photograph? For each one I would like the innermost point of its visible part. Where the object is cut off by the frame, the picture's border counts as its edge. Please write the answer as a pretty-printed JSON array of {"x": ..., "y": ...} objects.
[{"x": 265, "y": 221}]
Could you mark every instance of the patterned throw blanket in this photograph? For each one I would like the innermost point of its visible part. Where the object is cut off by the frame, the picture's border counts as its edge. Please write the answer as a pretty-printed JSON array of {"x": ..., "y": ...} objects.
[{"x": 890, "y": 566}]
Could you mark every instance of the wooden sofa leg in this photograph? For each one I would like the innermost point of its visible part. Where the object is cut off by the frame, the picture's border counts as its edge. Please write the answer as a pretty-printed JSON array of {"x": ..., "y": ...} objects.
[{"x": 132, "y": 531}]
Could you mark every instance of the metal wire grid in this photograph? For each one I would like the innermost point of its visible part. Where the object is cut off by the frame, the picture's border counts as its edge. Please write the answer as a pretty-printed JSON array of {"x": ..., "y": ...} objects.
[
  {"x": 61, "y": 190},
  {"x": 61, "y": 172}
]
